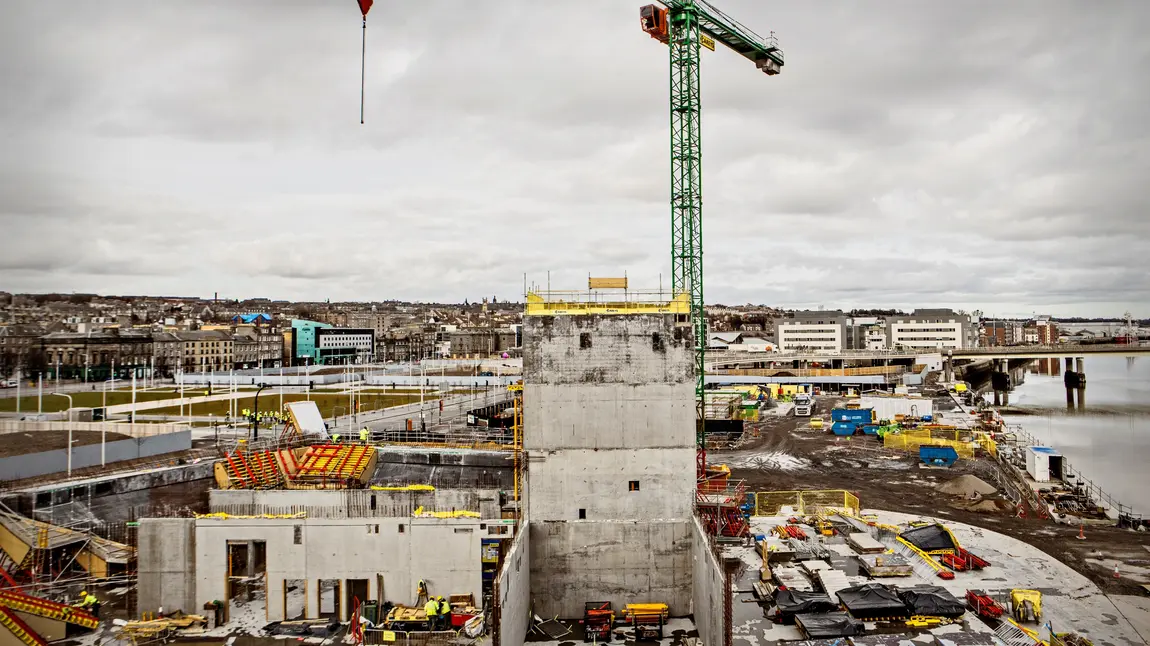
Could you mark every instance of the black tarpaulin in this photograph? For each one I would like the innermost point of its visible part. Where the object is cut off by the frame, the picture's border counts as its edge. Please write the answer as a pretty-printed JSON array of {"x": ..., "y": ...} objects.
[
  {"x": 931, "y": 600},
  {"x": 929, "y": 538},
  {"x": 872, "y": 601},
  {"x": 793, "y": 602},
  {"x": 829, "y": 624}
]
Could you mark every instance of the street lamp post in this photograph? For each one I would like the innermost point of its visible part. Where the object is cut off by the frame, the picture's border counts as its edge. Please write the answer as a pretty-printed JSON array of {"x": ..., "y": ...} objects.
[
  {"x": 256, "y": 417},
  {"x": 70, "y": 432}
]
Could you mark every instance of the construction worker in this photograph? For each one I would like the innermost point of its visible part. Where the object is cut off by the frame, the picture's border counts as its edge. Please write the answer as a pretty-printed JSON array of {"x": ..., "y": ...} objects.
[
  {"x": 364, "y": 434},
  {"x": 444, "y": 614},
  {"x": 335, "y": 438},
  {"x": 432, "y": 610},
  {"x": 90, "y": 603}
]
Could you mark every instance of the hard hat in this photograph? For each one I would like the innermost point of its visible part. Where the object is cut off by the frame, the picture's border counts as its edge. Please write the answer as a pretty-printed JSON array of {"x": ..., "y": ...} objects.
[{"x": 83, "y": 593}]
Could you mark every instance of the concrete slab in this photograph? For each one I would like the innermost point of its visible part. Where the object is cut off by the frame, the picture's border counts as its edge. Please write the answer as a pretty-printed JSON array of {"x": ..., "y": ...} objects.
[
  {"x": 1070, "y": 601},
  {"x": 1137, "y": 612}
]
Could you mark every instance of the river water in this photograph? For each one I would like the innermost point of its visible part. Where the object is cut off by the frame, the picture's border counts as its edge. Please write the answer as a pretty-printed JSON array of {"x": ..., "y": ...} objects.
[{"x": 1110, "y": 445}]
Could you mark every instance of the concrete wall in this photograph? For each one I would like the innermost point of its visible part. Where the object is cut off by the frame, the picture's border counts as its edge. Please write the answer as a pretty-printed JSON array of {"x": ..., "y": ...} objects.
[
  {"x": 123, "y": 428},
  {"x": 617, "y": 349},
  {"x": 452, "y": 468},
  {"x": 598, "y": 483},
  {"x": 167, "y": 579},
  {"x": 708, "y": 587},
  {"x": 116, "y": 498},
  {"x": 56, "y": 461},
  {"x": 353, "y": 504},
  {"x": 618, "y": 561},
  {"x": 609, "y": 400},
  {"x": 513, "y": 594},
  {"x": 443, "y": 552}
]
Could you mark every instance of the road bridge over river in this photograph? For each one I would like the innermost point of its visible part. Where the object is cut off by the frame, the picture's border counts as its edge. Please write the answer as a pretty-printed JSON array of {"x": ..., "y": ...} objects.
[{"x": 731, "y": 359}]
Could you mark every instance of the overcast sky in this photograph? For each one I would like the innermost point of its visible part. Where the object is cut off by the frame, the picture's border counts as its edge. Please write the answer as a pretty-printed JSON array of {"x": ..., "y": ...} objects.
[{"x": 980, "y": 155}]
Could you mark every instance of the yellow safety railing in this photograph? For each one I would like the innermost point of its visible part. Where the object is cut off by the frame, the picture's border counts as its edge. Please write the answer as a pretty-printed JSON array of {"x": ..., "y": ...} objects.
[
  {"x": 911, "y": 442},
  {"x": 986, "y": 443},
  {"x": 805, "y": 503},
  {"x": 926, "y": 558}
]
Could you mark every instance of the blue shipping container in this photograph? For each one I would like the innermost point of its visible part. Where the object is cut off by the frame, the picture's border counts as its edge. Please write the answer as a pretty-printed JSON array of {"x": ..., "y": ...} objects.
[
  {"x": 844, "y": 428},
  {"x": 938, "y": 456},
  {"x": 856, "y": 415}
]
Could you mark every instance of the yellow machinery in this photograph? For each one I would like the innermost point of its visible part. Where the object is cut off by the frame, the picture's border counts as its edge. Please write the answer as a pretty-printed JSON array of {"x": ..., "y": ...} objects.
[
  {"x": 1026, "y": 605},
  {"x": 816, "y": 423},
  {"x": 646, "y": 618},
  {"x": 406, "y": 619}
]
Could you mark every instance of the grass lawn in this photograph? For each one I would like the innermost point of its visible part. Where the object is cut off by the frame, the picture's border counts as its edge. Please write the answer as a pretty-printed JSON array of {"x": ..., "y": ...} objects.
[
  {"x": 85, "y": 399},
  {"x": 270, "y": 401}
]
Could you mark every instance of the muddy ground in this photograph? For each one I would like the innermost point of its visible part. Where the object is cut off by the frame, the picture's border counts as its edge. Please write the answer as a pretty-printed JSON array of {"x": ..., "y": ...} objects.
[{"x": 783, "y": 454}]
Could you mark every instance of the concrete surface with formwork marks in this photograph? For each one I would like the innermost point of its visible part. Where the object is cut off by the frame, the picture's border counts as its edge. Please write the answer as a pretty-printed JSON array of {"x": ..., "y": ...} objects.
[{"x": 609, "y": 401}]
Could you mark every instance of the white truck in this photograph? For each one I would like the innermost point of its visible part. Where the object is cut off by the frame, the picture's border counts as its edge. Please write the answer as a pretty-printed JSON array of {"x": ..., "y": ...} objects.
[{"x": 804, "y": 405}]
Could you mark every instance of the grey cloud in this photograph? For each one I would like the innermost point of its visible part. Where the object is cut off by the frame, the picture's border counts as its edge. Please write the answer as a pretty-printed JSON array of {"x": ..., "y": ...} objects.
[{"x": 980, "y": 154}]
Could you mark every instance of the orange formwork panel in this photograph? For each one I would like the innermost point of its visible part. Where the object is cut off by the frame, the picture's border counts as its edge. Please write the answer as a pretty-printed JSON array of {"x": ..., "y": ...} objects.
[
  {"x": 19, "y": 629},
  {"x": 45, "y": 608}
]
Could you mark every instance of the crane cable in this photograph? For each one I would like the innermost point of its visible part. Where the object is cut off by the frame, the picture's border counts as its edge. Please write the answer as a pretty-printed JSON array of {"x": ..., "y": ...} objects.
[{"x": 364, "y": 7}]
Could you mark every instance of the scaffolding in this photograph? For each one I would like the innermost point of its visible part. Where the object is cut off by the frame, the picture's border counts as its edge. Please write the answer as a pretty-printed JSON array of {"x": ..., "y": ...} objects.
[{"x": 723, "y": 508}]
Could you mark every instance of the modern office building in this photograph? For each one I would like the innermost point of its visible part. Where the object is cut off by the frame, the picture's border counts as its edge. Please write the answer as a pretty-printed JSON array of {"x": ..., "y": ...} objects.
[
  {"x": 931, "y": 328},
  {"x": 820, "y": 330}
]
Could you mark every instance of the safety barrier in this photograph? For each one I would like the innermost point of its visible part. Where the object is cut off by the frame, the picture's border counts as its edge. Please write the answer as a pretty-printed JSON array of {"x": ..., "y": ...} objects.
[
  {"x": 910, "y": 442},
  {"x": 987, "y": 444},
  {"x": 378, "y": 637},
  {"x": 804, "y": 503}
]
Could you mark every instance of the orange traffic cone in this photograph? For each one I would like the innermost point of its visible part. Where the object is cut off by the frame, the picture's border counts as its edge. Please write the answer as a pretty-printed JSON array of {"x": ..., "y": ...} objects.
[{"x": 1081, "y": 534}]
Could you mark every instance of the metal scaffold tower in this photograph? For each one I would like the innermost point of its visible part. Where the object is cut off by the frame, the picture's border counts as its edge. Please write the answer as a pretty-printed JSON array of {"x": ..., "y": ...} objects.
[{"x": 684, "y": 25}]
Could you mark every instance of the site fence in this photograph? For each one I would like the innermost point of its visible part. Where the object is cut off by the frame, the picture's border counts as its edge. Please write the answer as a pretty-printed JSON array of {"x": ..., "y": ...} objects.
[
  {"x": 804, "y": 503},
  {"x": 377, "y": 637}
]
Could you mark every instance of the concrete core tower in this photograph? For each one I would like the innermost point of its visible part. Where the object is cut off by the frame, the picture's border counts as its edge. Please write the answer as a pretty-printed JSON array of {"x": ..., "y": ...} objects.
[{"x": 610, "y": 439}]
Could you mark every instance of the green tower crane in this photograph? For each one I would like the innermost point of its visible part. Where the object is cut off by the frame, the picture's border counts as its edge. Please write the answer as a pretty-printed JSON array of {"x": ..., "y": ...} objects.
[{"x": 684, "y": 26}]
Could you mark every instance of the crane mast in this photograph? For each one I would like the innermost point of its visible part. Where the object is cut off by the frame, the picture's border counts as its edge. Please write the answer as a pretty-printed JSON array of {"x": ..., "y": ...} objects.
[{"x": 684, "y": 25}]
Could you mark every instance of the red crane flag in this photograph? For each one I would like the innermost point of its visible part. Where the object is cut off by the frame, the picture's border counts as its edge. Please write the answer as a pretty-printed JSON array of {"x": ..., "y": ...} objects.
[{"x": 364, "y": 7}]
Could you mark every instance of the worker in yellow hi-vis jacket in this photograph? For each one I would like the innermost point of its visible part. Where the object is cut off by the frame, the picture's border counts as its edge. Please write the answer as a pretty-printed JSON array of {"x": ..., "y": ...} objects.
[{"x": 431, "y": 608}]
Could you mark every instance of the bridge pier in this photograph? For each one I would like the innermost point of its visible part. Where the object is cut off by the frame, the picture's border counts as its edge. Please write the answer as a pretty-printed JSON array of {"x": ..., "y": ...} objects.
[
  {"x": 1080, "y": 368},
  {"x": 948, "y": 367},
  {"x": 1006, "y": 391},
  {"x": 1074, "y": 379}
]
